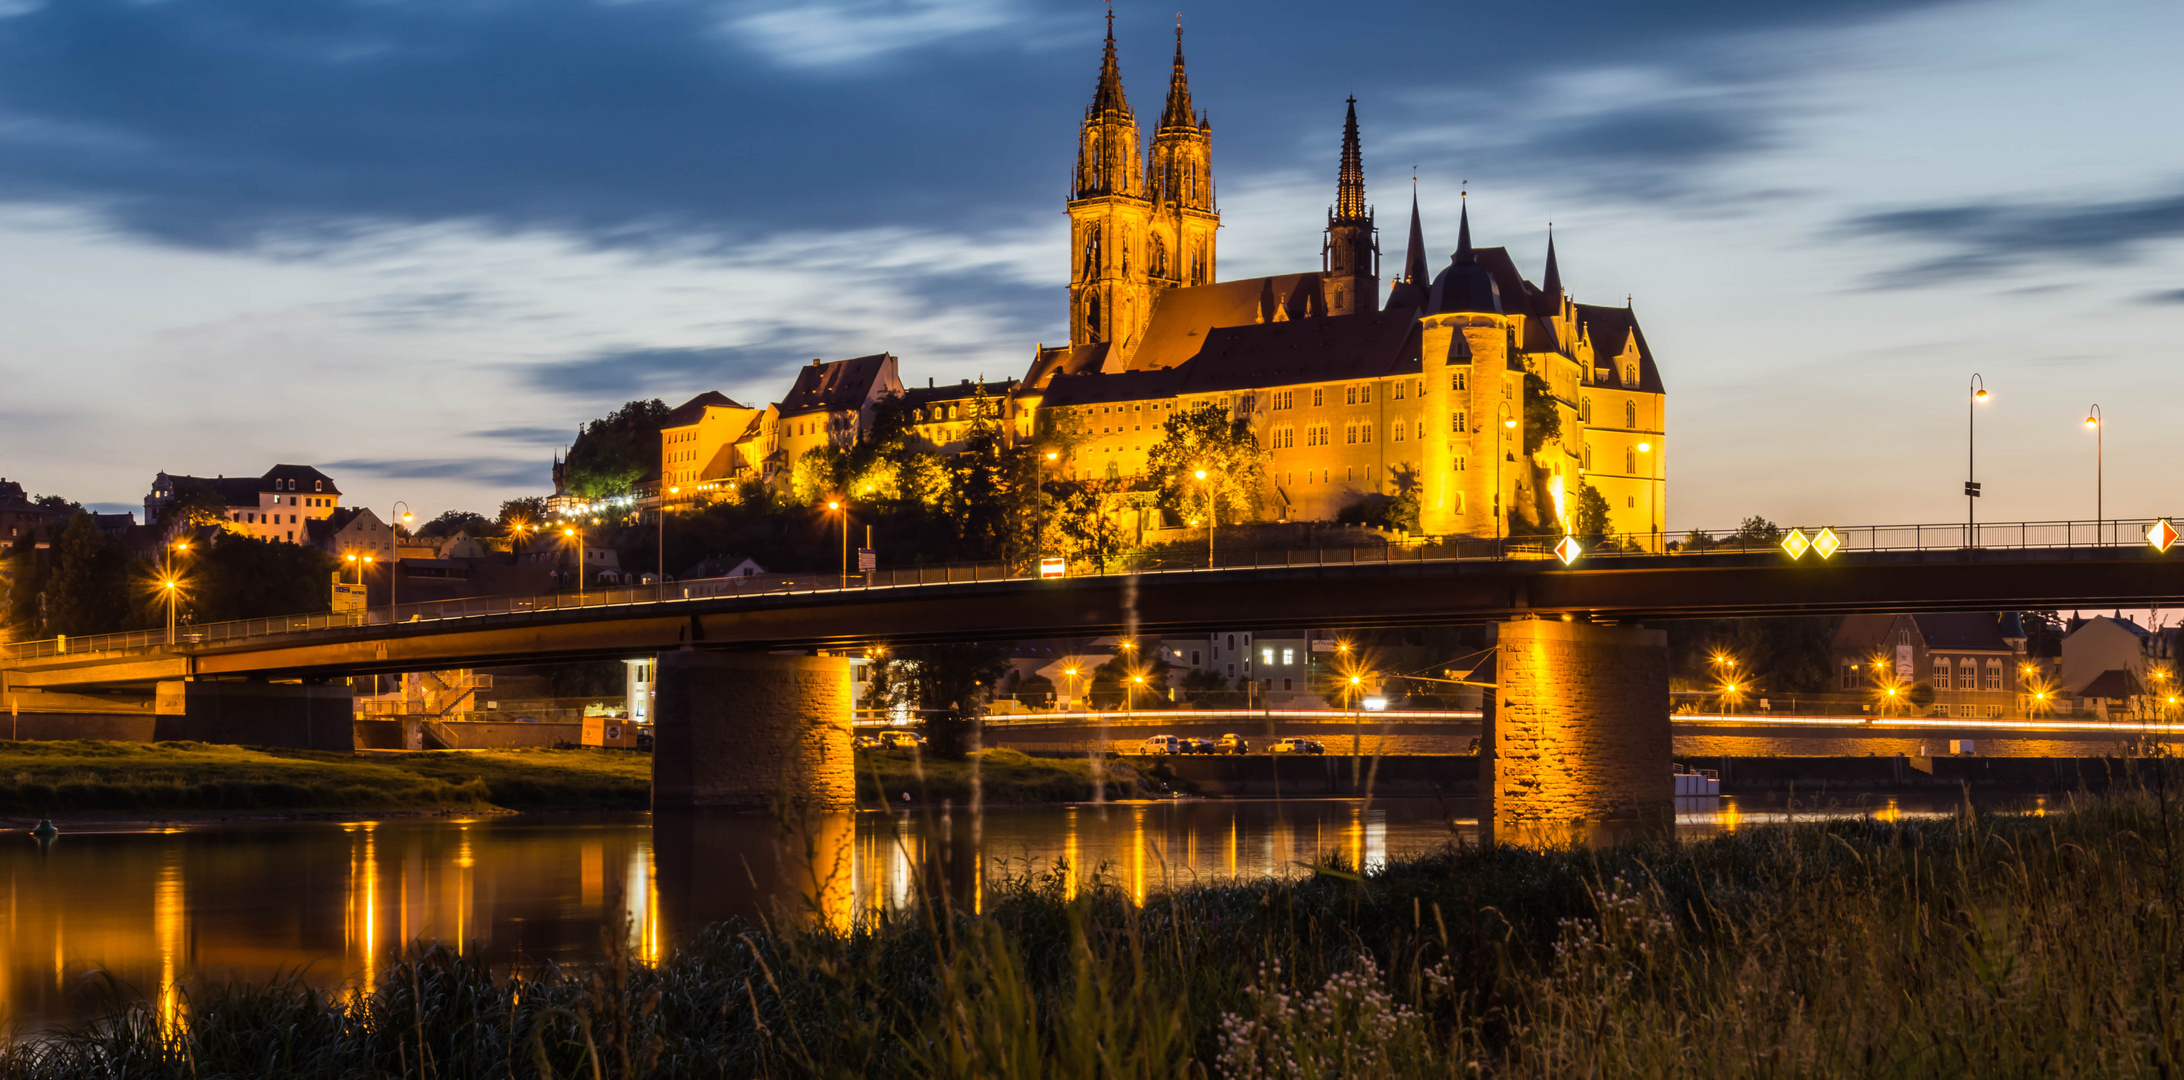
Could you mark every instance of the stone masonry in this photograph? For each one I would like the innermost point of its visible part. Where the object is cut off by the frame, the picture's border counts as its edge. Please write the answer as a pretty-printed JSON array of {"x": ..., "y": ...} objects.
[
  {"x": 752, "y": 731},
  {"x": 1578, "y": 728}
]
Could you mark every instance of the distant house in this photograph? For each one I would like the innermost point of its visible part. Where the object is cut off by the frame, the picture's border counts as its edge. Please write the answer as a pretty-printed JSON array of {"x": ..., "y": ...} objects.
[
  {"x": 19, "y": 516},
  {"x": 709, "y": 445},
  {"x": 2101, "y": 657},
  {"x": 831, "y": 404},
  {"x": 941, "y": 417},
  {"x": 351, "y": 530},
  {"x": 1974, "y": 661},
  {"x": 720, "y": 566},
  {"x": 274, "y": 506}
]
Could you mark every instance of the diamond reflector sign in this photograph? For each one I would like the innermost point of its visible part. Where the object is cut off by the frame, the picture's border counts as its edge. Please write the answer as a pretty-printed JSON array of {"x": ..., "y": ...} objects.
[
  {"x": 1795, "y": 543},
  {"x": 1826, "y": 543},
  {"x": 1568, "y": 550},
  {"x": 2161, "y": 535}
]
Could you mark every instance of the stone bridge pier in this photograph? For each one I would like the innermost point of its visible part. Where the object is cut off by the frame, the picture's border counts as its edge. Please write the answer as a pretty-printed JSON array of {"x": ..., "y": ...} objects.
[
  {"x": 1576, "y": 730},
  {"x": 752, "y": 731}
]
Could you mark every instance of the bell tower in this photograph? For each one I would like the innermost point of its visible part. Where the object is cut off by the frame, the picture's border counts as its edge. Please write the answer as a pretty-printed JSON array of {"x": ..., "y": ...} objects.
[
  {"x": 1350, "y": 260},
  {"x": 1180, "y": 180},
  {"x": 1109, "y": 214}
]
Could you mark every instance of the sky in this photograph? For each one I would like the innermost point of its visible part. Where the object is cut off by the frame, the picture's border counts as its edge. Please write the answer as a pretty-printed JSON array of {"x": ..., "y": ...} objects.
[{"x": 417, "y": 242}]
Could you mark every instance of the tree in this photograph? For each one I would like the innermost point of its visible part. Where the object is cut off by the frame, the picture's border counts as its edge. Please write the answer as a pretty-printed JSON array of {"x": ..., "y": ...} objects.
[
  {"x": 818, "y": 474},
  {"x": 1111, "y": 678},
  {"x": 946, "y": 684},
  {"x": 1542, "y": 416},
  {"x": 1084, "y": 529},
  {"x": 1589, "y": 519},
  {"x": 611, "y": 453},
  {"x": 525, "y": 511},
  {"x": 240, "y": 577},
  {"x": 195, "y": 503},
  {"x": 1208, "y": 439},
  {"x": 1035, "y": 691},
  {"x": 455, "y": 521},
  {"x": 87, "y": 591}
]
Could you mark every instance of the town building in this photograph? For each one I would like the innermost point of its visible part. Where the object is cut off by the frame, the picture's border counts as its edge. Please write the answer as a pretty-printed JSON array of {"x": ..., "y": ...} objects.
[
  {"x": 942, "y": 418},
  {"x": 1974, "y": 663},
  {"x": 710, "y": 445},
  {"x": 20, "y": 517},
  {"x": 275, "y": 506}
]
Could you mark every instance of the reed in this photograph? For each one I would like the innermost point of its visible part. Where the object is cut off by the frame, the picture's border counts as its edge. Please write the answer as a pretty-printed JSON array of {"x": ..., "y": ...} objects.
[{"x": 1981, "y": 944}]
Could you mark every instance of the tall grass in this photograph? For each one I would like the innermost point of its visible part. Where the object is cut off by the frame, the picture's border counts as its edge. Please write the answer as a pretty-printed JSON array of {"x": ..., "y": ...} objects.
[
  {"x": 1004, "y": 775},
  {"x": 1979, "y": 945}
]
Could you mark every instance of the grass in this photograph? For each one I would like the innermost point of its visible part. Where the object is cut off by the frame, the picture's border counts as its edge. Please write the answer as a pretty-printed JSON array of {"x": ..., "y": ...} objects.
[
  {"x": 1983, "y": 945},
  {"x": 1004, "y": 776},
  {"x": 60, "y": 779}
]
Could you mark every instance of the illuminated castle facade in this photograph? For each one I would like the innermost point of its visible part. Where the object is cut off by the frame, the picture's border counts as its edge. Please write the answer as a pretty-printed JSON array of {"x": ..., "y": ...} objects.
[{"x": 1355, "y": 392}]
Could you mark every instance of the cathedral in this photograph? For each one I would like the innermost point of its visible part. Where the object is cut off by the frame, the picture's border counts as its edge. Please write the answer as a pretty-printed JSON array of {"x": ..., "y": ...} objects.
[{"x": 1426, "y": 381}]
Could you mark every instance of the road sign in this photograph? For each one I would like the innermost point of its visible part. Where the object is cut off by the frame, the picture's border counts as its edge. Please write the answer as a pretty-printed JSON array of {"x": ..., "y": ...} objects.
[
  {"x": 1568, "y": 550},
  {"x": 1971, "y": 489},
  {"x": 2161, "y": 535},
  {"x": 1826, "y": 543},
  {"x": 1053, "y": 568},
  {"x": 1796, "y": 544},
  {"x": 868, "y": 560}
]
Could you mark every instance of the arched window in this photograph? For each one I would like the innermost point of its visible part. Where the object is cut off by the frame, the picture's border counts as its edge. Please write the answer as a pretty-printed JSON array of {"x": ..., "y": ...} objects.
[
  {"x": 1125, "y": 245},
  {"x": 1630, "y": 414},
  {"x": 1630, "y": 375},
  {"x": 1092, "y": 255},
  {"x": 1584, "y": 410},
  {"x": 1114, "y": 471},
  {"x": 1160, "y": 257},
  {"x": 1588, "y": 457},
  {"x": 1630, "y": 462},
  {"x": 1092, "y": 316}
]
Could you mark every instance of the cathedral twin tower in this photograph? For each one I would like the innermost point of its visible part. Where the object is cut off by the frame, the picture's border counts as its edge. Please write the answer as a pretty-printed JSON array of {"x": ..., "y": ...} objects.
[{"x": 1138, "y": 230}]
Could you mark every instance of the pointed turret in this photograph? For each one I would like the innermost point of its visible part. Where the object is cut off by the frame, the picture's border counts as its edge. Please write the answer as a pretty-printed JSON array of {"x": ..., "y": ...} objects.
[
  {"x": 1409, "y": 292},
  {"x": 1351, "y": 255},
  {"x": 1551, "y": 282},
  {"x": 1464, "y": 285},
  {"x": 1177, "y": 112},
  {"x": 1108, "y": 94},
  {"x": 1464, "y": 255},
  {"x": 1107, "y": 147}
]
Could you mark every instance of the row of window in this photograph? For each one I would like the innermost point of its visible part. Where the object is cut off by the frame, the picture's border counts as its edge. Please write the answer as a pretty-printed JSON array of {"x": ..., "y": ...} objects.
[
  {"x": 289, "y": 484},
  {"x": 1630, "y": 412},
  {"x": 243, "y": 518},
  {"x": 1968, "y": 672}
]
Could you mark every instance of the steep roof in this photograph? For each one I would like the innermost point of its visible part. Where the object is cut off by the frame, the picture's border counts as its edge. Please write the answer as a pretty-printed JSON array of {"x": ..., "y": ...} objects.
[
  {"x": 1962, "y": 630},
  {"x": 962, "y": 391},
  {"x": 1610, "y": 328},
  {"x": 1181, "y": 317},
  {"x": 841, "y": 385},
  {"x": 1065, "y": 360},
  {"x": 1093, "y": 388},
  {"x": 2113, "y": 684},
  {"x": 693, "y": 410},
  {"x": 1366, "y": 345},
  {"x": 297, "y": 478}
]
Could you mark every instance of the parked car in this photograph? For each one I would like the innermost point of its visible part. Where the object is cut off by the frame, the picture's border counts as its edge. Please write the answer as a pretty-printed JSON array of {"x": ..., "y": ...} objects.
[
  {"x": 1231, "y": 744},
  {"x": 1161, "y": 744},
  {"x": 1198, "y": 746},
  {"x": 865, "y": 742},
  {"x": 1296, "y": 746},
  {"x": 901, "y": 740}
]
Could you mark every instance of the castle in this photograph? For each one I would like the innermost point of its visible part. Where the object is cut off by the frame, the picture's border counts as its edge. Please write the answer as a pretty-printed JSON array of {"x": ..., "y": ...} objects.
[{"x": 1426, "y": 382}]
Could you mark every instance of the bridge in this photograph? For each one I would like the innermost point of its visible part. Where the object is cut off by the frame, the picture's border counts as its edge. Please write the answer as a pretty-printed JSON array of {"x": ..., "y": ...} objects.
[{"x": 1580, "y": 682}]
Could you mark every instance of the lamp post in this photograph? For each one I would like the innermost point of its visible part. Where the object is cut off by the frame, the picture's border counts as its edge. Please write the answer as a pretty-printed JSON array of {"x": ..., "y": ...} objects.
[
  {"x": 1212, "y": 518},
  {"x": 1646, "y": 448},
  {"x": 661, "y": 577},
  {"x": 1978, "y": 390},
  {"x": 2094, "y": 420},
  {"x": 576, "y": 532},
  {"x": 1070, "y": 673},
  {"x": 835, "y": 506},
  {"x": 170, "y": 586},
  {"x": 1500, "y": 434},
  {"x": 395, "y": 520},
  {"x": 1039, "y": 495}
]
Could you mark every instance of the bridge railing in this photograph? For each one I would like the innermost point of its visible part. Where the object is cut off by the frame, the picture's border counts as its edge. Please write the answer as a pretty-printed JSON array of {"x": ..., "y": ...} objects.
[{"x": 2055, "y": 535}]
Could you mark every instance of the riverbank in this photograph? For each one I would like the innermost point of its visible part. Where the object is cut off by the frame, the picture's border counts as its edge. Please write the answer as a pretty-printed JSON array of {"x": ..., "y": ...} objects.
[
  {"x": 1981, "y": 944},
  {"x": 85, "y": 780},
  {"x": 1005, "y": 776}
]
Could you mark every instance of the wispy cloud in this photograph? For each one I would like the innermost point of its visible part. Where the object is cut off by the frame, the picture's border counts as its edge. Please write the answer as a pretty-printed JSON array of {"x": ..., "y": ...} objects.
[
  {"x": 2166, "y": 296},
  {"x": 1981, "y": 238},
  {"x": 496, "y": 471},
  {"x": 827, "y": 34}
]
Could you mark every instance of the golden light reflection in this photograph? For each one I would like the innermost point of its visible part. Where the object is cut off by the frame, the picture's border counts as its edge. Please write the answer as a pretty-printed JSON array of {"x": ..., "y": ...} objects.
[
  {"x": 170, "y": 911},
  {"x": 1729, "y": 816},
  {"x": 1890, "y": 813},
  {"x": 1069, "y": 856},
  {"x": 1137, "y": 856}
]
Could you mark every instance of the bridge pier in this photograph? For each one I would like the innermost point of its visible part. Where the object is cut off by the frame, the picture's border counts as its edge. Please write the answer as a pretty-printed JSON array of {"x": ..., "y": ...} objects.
[
  {"x": 297, "y": 716},
  {"x": 752, "y": 731},
  {"x": 1576, "y": 730}
]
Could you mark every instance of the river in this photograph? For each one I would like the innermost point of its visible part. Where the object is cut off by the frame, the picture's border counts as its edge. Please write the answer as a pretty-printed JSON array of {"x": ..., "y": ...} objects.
[{"x": 159, "y": 907}]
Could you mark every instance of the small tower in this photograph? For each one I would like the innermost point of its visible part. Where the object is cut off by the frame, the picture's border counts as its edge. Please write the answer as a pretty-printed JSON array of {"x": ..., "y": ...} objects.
[
  {"x": 1350, "y": 258},
  {"x": 1179, "y": 176},
  {"x": 1108, "y": 215},
  {"x": 1410, "y": 290}
]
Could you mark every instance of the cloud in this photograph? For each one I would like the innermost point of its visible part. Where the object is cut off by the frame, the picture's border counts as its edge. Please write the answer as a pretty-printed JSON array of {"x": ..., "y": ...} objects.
[
  {"x": 822, "y": 34},
  {"x": 2166, "y": 296},
  {"x": 1984, "y": 238},
  {"x": 504, "y": 471},
  {"x": 543, "y": 436}
]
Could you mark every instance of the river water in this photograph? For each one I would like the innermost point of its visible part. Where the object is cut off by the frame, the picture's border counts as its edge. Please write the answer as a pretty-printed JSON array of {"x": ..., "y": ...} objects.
[{"x": 159, "y": 907}]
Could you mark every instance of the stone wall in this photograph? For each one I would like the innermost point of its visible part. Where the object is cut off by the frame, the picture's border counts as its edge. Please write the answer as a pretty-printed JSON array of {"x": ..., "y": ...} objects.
[
  {"x": 752, "y": 731},
  {"x": 1578, "y": 729},
  {"x": 292, "y": 715},
  {"x": 112, "y": 727}
]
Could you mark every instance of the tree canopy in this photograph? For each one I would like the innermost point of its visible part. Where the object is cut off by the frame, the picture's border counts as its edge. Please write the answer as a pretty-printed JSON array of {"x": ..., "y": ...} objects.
[
  {"x": 611, "y": 453},
  {"x": 1207, "y": 439}
]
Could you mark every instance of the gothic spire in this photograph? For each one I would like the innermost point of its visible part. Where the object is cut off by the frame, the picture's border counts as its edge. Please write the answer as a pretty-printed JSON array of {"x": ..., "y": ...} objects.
[
  {"x": 1350, "y": 186},
  {"x": 1177, "y": 113},
  {"x": 1414, "y": 255},
  {"x": 1463, "y": 233},
  {"x": 1552, "y": 283},
  {"x": 1108, "y": 96}
]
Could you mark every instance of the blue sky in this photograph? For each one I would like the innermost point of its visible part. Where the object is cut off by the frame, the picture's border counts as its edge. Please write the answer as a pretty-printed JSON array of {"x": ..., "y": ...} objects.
[{"x": 417, "y": 241}]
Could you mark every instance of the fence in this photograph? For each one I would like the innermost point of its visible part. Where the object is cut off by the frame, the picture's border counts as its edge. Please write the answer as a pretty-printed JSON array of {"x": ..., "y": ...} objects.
[{"x": 2061, "y": 536}]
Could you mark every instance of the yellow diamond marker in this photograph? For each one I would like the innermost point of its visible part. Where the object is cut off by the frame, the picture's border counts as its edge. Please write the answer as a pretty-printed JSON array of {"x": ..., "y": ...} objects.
[
  {"x": 1795, "y": 543},
  {"x": 1826, "y": 543},
  {"x": 2161, "y": 535},
  {"x": 1568, "y": 550}
]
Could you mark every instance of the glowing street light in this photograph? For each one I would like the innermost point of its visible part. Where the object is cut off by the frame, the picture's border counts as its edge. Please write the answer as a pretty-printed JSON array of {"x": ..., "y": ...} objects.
[
  {"x": 2093, "y": 420},
  {"x": 1978, "y": 390}
]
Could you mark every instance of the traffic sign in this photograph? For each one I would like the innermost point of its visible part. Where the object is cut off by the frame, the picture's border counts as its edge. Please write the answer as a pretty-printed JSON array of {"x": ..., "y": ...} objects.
[
  {"x": 1795, "y": 544},
  {"x": 1826, "y": 543},
  {"x": 1568, "y": 550},
  {"x": 2161, "y": 535},
  {"x": 1971, "y": 489}
]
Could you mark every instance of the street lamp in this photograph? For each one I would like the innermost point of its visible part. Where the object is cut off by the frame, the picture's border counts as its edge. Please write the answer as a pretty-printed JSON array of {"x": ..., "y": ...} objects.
[
  {"x": 1501, "y": 434},
  {"x": 662, "y": 575},
  {"x": 1070, "y": 673},
  {"x": 1212, "y": 518},
  {"x": 395, "y": 520},
  {"x": 834, "y": 506},
  {"x": 1654, "y": 530},
  {"x": 1971, "y": 444},
  {"x": 2093, "y": 420},
  {"x": 576, "y": 532}
]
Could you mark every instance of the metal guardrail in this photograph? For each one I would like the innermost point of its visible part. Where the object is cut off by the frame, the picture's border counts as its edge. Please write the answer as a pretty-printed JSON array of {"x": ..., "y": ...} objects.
[{"x": 2021, "y": 535}]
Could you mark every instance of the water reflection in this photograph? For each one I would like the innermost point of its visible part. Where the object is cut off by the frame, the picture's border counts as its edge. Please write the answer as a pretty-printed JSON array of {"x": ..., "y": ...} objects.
[{"x": 338, "y": 901}]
